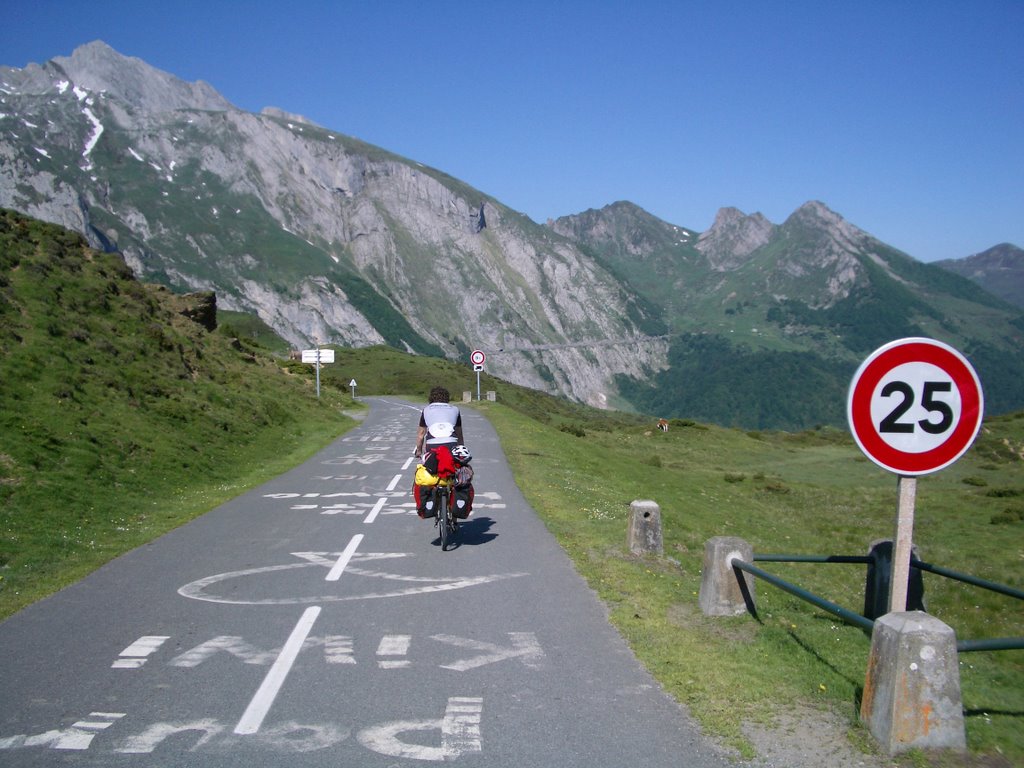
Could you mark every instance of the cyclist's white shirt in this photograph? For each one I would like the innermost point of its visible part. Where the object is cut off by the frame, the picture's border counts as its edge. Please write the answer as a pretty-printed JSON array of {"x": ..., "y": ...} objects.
[{"x": 441, "y": 419}]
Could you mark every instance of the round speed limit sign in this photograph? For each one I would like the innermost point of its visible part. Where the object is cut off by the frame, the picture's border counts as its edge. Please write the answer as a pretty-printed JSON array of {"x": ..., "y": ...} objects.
[
  {"x": 477, "y": 357},
  {"x": 915, "y": 406}
]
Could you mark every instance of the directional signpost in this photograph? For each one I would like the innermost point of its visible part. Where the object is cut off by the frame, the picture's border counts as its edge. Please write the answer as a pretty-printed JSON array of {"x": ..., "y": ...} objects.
[
  {"x": 352, "y": 384},
  {"x": 914, "y": 407},
  {"x": 318, "y": 357},
  {"x": 477, "y": 358}
]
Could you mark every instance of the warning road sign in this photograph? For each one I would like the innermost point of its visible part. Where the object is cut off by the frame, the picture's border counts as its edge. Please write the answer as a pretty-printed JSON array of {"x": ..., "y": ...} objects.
[{"x": 915, "y": 406}]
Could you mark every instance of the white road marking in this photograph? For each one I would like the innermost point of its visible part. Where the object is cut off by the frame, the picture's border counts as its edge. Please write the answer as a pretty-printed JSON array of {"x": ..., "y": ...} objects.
[
  {"x": 145, "y": 742},
  {"x": 375, "y": 511},
  {"x": 355, "y": 458},
  {"x": 77, "y": 736},
  {"x": 524, "y": 647},
  {"x": 326, "y": 559},
  {"x": 338, "y": 649},
  {"x": 339, "y": 567},
  {"x": 293, "y": 495},
  {"x": 198, "y": 590},
  {"x": 288, "y": 738},
  {"x": 394, "y": 482},
  {"x": 134, "y": 656},
  {"x": 460, "y": 733},
  {"x": 393, "y": 645},
  {"x": 260, "y": 705},
  {"x": 236, "y": 646}
]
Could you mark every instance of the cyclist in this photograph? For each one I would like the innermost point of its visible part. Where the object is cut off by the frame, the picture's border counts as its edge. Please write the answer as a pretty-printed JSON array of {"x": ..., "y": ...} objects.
[
  {"x": 440, "y": 423},
  {"x": 439, "y": 431}
]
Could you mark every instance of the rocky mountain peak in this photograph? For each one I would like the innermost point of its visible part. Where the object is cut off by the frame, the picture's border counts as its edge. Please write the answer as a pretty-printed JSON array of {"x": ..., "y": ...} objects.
[
  {"x": 98, "y": 67},
  {"x": 815, "y": 215},
  {"x": 1004, "y": 255},
  {"x": 832, "y": 235},
  {"x": 816, "y": 211},
  {"x": 622, "y": 222},
  {"x": 733, "y": 237},
  {"x": 999, "y": 270}
]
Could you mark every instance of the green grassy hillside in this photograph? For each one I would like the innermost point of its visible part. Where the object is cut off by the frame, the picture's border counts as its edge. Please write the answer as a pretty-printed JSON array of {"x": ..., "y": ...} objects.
[
  {"x": 121, "y": 418},
  {"x": 760, "y": 344}
]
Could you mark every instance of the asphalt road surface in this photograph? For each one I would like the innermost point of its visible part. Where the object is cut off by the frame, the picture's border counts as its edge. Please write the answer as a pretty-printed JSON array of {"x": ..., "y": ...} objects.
[{"x": 315, "y": 621}]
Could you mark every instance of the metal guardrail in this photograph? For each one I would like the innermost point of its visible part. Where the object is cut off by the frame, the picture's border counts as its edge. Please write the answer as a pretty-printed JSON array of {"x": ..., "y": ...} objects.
[
  {"x": 847, "y": 615},
  {"x": 962, "y": 646},
  {"x": 989, "y": 585}
]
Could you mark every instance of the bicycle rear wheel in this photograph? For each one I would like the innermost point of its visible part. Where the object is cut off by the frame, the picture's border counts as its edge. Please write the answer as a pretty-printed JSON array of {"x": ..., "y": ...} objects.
[{"x": 444, "y": 518}]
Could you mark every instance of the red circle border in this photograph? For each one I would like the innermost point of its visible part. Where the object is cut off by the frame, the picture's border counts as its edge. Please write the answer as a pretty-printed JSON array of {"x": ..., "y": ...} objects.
[{"x": 876, "y": 367}]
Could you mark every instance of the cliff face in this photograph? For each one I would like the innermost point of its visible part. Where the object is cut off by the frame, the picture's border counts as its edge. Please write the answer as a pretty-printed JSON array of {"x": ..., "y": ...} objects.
[{"x": 321, "y": 235}]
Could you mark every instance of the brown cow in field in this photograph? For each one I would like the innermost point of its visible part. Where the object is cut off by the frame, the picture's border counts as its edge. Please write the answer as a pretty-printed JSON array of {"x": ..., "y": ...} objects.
[{"x": 663, "y": 425}]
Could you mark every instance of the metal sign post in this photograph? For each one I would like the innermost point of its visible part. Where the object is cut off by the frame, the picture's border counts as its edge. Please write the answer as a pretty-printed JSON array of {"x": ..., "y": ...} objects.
[
  {"x": 915, "y": 406},
  {"x": 477, "y": 359},
  {"x": 352, "y": 384},
  {"x": 318, "y": 357}
]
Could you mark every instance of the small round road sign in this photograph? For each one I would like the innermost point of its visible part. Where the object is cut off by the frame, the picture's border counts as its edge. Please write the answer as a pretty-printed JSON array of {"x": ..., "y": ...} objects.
[
  {"x": 477, "y": 357},
  {"x": 915, "y": 406}
]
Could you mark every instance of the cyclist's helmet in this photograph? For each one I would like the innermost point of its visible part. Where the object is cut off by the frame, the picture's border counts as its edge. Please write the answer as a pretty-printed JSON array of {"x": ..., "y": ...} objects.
[{"x": 461, "y": 454}]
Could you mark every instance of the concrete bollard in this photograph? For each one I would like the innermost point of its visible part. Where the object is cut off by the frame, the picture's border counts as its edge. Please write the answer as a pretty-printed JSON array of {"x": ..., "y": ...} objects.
[
  {"x": 720, "y": 591},
  {"x": 467, "y": 396},
  {"x": 492, "y": 395},
  {"x": 912, "y": 687},
  {"x": 644, "y": 536}
]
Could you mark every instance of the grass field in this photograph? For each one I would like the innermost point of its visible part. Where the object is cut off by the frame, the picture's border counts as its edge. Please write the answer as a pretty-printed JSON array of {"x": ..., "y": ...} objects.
[{"x": 810, "y": 493}]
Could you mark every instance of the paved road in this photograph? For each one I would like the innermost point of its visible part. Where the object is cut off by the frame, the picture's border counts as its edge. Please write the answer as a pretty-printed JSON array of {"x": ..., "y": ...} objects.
[{"x": 315, "y": 621}]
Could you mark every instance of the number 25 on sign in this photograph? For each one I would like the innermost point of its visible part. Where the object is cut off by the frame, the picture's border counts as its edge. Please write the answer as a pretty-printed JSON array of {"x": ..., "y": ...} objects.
[{"x": 914, "y": 407}]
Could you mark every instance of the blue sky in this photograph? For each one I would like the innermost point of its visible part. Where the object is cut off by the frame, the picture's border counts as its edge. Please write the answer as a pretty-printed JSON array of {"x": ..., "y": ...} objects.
[{"x": 906, "y": 118}]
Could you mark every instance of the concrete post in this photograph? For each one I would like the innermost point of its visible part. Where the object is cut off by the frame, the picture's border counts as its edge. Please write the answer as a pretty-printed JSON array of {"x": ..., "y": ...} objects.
[
  {"x": 912, "y": 687},
  {"x": 720, "y": 591},
  {"x": 492, "y": 395},
  {"x": 644, "y": 535},
  {"x": 467, "y": 396}
]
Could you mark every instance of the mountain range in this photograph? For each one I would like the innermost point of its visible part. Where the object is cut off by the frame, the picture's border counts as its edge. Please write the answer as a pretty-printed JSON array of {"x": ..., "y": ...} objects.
[
  {"x": 331, "y": 240},
  {"x": 999, "y": 270}
]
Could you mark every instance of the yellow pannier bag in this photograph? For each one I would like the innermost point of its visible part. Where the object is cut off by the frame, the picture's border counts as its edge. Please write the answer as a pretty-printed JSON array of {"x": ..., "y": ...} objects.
[{"x": 423, "y": 477}]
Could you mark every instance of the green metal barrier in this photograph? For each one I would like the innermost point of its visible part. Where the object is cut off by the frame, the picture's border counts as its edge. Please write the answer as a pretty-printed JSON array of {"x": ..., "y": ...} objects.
[
  {"x": 837, "y": 610},
  {"x": 962, "y": 646}
]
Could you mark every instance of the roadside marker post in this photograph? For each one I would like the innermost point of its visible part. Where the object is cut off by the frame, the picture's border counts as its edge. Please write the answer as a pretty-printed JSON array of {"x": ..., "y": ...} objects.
[
  {"x": 914, "y": 407},
  {"x": 477, "y": 358}
]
